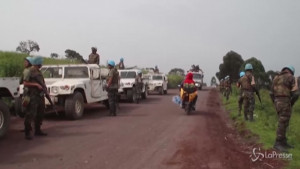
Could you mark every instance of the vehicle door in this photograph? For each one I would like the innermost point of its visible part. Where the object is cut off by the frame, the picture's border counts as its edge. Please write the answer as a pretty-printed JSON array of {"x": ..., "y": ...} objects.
[{"x": 96, "y": 84}]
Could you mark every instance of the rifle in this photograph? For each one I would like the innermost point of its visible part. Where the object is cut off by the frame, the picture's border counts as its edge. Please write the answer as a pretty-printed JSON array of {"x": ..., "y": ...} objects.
[{"x": 45, "y": 92}]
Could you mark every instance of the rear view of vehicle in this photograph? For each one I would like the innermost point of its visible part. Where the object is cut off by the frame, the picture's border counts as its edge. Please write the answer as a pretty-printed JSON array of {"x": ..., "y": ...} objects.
[{"x": 198, "y": 78}]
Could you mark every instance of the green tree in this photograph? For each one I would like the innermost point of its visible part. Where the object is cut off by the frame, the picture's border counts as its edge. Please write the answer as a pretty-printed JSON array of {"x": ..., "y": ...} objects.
[
  {"x": 28, "y": 46},
  {"x": 54, "y": 55},
  {"x": 232, "y": 62},
  {"x": 261, "y": 77},
  {"x": 72, "y": 54},
  {"x": 177, "y": 71}
]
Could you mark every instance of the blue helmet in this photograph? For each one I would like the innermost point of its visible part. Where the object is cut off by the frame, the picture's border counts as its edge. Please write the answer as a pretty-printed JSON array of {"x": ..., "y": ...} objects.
[
  {"x": 248, "y": 66},
  {"x": 36, "y": 60},
  {"x": 122, "y": 59},
  {"x": 29, "y": 59},
  {"x": 242, "y": 74},
  {"x": 111, "y": 63},
  {"x": 139, "y": 71},
  {"x": 291, "y": 68}
]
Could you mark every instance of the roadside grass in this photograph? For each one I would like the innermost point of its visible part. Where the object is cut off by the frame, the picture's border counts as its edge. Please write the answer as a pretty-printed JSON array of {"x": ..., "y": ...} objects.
[
  {"x": 11, "y": 63},
  {"x": 265, "y": 125}
]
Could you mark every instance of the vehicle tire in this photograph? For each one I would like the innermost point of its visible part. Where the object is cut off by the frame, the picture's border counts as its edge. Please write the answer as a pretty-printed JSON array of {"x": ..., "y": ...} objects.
[
  {"x": 74, "y": 106},
  {"x": 106, "y": 104},
  {"x": 130, "y": 95},
  {"x": 188, "y": 108},
  {"x": 161, "y": 90},
  {"x": 200, "y": 88},
  {"x": 135, "y": 96},
  {"x": 4, "y": 118},
  {"x": 145, "y": 94},
  {"x": 18, "y": 107},
  {"x": 165, "y": 91}
]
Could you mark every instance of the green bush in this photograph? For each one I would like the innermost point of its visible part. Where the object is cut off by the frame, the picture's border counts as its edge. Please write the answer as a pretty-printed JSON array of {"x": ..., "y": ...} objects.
[
  {"x": 11, "y": 63},
  {"x": 174, "y": 80}
]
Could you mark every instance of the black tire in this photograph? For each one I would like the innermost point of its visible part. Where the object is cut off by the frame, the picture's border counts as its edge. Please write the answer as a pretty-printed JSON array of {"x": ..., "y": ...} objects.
[
  {"x": 145, "y": 94},
  {"x": 129, "y": 95},
  {"x": 135, "y": 97},
  {"x": 4, "y": 119},
  {"x": 188, "y": 108},
  {"x": 106, "y": 104},
  {"x": 74, "y": 106}
]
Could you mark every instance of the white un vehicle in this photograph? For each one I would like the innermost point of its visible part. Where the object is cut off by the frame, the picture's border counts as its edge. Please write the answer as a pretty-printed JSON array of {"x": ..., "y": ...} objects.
[
  {"x": 157, "y": 83},
  {"x": 127, "y": 85},
  {"x": 72, "y": 86}
]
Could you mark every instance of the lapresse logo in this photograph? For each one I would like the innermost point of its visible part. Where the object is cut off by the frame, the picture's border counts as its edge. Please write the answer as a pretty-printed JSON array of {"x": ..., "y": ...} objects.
[{"x": 258, "y": 155}]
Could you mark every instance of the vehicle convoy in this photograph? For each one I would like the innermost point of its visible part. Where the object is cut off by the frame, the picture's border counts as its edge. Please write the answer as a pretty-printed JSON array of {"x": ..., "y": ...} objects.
[
  {"x": 72, "y": 86},
  {"x": 9, "y": 91},
  {"x": 127, "y": 87},
  {"x": 198, "y": 78},
  {"x": 157, "y": 83}
]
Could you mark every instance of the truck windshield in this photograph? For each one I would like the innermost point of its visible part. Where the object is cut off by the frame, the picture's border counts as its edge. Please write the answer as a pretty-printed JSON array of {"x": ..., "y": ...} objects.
[
  {"x": 76, "y": 72},
  {"x": 197, "y": 76},
  {"x": 128, "y": 75},
  {"x": 52, "y": 72},
  {"x": 157, "y": 77}
]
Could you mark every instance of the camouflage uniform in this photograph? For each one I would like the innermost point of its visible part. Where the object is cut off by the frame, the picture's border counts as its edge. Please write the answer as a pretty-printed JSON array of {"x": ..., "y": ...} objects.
[
  {"x": 227, "y": 87},
  {"x": 36, "y": 108},
  {"x": 248, "y": 87},
  {"x": 283, "y": 86},
  {"x": 121, "y": 65},
  {"x": 113, "y": 90},
  {"x": 94, "y": 58},
  {"x": 138, "y": 84},
  {"x": 240, "y": 100}
]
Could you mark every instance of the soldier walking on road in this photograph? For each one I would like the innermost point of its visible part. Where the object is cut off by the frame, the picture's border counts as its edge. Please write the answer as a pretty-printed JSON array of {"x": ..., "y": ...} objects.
[
  {"x": 112, "y": 87},
  {"x": 227, "y": 86},
  {"x": 94, "y": 57},
  {"x": 248, "y": 87},
  {"x": 36, "y": 105},
  {"x": 240, "y": 100},
  {"x": 284, "y": 93}
]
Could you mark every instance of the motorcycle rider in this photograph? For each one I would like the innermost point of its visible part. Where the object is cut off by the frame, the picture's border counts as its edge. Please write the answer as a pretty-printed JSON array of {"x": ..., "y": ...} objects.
[{"x": 188, "y": 87}]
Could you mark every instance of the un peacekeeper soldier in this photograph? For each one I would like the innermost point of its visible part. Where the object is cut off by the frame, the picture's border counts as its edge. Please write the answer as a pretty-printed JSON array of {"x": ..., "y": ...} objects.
[
  {"x": 94, "y": 57},
  {"x": 284, "y": 93},
  {"x": 240, "y": 100},
  {"x": 121, "y": 64},
  {"x": 139, "y": 83},
  {"x": 112, "y": 87},
  {"x": 36, "y": 106},
  {"x": 248, "y": 87},
  {"x": 222, "y": 86},
  {"x": 227, "y": 86}
]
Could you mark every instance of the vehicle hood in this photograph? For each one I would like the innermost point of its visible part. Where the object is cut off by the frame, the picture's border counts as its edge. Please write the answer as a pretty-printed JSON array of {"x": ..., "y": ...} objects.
[{"x": 63, "y": 82}]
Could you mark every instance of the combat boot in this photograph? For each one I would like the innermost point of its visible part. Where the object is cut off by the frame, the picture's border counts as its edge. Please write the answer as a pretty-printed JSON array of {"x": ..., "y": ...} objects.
[
  {"x": 28, "y": 133},
  {"x": 287, "y": 145},
  {"x": 39, "y": 132},
  {"x": 280, "y": 147}
]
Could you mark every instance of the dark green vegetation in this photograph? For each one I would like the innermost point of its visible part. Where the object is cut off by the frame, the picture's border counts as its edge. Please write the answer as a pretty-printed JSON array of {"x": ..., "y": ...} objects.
[
  {"x": 11, "y": 63},
  {"x": 265, "y": 125}
]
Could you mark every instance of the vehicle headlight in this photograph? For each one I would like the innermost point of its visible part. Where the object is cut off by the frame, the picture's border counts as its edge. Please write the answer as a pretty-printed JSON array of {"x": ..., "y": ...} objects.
[
  {"x": 66, "y": 87},
  {"x": 54, "y": 89},
  {"x": 197, "y": 84}
]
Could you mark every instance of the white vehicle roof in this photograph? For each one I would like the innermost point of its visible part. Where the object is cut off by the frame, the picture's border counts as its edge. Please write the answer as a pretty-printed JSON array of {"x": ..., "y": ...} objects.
[{"x": 73, "y": 65}]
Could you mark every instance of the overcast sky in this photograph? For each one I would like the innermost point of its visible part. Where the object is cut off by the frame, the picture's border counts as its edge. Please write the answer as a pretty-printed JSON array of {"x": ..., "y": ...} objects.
[{"x": 167, "y": 33}]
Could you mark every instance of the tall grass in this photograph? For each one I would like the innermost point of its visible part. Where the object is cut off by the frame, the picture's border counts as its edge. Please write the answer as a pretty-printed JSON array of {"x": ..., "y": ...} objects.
[
  {"x": 11, "y": 63},
  {"x": 265, "y": 124}
]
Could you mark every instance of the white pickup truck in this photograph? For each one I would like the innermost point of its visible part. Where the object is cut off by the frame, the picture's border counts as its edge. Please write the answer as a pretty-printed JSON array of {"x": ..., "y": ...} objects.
[
  {"x": 72, "y": 86},
  {"x": 157, "y": 83},
  {"x": 127, "y": 85},
  {"x": 198, "y": 78},
  {"x": 9, "y": 91}
]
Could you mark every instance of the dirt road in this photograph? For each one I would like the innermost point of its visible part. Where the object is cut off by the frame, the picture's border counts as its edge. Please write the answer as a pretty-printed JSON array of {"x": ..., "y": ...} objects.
[{"x": 154, "y": 134}]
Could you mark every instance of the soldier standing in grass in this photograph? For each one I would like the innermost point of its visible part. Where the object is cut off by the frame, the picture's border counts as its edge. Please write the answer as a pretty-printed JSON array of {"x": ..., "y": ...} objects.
[
  {"x": 35, "y": 107},
  {"x": 248, "y": 87},
  {"x": 284, "y": 93},
  {"x": 112, "y": 87},
  {"x": 94, "y": 57},
  {"x": 240, "y": 100},
  {"x": 227, "y": 86}
]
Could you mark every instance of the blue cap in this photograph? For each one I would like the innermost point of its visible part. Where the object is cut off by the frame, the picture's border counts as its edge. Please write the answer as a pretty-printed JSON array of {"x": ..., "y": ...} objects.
[
  {"x": 291, "y": 68},
  {"x": 111, "y": 63},
  {"x": 37, "y": 60},
  {"x": 248, "y": 66},
  {"x": 122, "y": 59},
  {"x": 242, "y": 74},
  {"x": 29, "y": 59}
]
